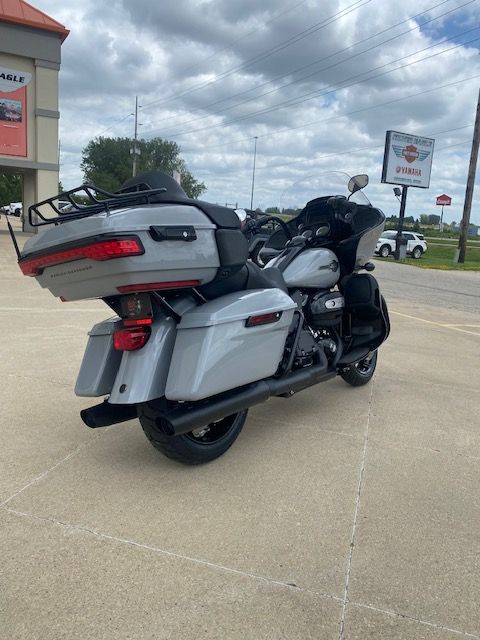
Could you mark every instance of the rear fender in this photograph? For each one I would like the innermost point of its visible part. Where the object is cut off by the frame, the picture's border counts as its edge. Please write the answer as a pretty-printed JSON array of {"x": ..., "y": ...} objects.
[
  {"x": 142, "y": 375},
  {"x": 132, "y": 376}
]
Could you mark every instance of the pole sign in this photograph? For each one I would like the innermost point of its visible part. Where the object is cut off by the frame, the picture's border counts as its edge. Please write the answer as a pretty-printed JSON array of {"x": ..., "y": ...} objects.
[
  {"x": 443, "y": 201},
  {"x": 407, "y": 160},
  {"x": 13, "y": 111}
]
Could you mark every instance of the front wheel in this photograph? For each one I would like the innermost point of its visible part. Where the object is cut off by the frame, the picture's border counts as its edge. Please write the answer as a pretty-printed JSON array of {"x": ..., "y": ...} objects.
[
  {"x": 198, "y": 446},
  {"x": 361, "y": 372},
  {"x": 417, "y": 253}
]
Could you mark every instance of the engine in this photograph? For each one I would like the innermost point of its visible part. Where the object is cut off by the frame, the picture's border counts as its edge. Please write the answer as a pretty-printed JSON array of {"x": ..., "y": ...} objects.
[{"x": 325, "y": 309}]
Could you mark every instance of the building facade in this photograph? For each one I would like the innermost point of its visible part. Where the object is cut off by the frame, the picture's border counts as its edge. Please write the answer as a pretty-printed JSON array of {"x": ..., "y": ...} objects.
[{"x": 30, "y": 56}]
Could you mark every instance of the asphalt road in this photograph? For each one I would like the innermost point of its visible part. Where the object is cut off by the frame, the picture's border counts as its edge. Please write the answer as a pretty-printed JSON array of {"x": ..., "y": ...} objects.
[
  {"x": 339, "y": 514},
  {"x": 450, "y": 290}
]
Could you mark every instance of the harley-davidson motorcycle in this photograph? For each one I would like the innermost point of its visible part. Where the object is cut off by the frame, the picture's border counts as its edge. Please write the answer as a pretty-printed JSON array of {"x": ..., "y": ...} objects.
[{"x": 200, "y": 333}]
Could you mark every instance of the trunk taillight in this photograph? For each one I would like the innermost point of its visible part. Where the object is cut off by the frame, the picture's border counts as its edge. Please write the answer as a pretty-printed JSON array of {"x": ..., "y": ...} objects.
[
  {"x": 131, "y": 339},
  {"x": 99, "y": 251},
  {"x": 154, "y": 286}
]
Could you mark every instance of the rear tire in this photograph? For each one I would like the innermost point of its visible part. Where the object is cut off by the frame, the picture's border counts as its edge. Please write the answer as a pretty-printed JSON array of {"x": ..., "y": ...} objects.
[
  {"x": 384, "y": 251},
  {"x": 417, "y": 253},
  {"x": 196, "y": 447},
  {"x": 362, "y": 372}
]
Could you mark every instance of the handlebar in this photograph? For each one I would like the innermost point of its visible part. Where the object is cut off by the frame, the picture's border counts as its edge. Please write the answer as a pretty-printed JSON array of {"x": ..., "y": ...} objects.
[{"x": 263, "y": 221}]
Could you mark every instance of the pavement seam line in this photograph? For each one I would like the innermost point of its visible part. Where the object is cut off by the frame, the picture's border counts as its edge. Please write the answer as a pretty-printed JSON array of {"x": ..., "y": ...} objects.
[
  {"x": 397, "y": 446},
  {"x": 405, "y": 616},
  {"x": 47, "y": 471},
  {"x": 437, "y": 324},
  {"x": 355, "y": 515},
  {"x": 171, "y": 554}
]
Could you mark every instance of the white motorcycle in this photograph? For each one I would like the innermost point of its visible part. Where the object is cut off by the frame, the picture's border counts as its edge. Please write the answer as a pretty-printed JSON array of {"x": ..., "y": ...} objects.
[{"x": 200, "y": 333}]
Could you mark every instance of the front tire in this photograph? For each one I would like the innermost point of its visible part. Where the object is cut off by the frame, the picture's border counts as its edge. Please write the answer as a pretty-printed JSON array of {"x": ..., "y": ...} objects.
[
  {"x": 384, "y": 251},
  {"x": 417, "y": 253},
  {"x": 361, "y": 372},
  {"x": 196, "y": 447}
]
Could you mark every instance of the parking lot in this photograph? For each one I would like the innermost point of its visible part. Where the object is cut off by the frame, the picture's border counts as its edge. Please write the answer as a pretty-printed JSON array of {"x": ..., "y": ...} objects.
[{"x": 339, "y": 513}]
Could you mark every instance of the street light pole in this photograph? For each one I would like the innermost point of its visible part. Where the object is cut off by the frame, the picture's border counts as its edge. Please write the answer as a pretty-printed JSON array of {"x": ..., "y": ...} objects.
[{"x": 253, "y": 174}]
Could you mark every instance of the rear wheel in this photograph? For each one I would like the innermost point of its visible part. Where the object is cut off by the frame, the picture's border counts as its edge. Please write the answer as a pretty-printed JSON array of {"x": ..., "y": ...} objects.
[
  {"x": 198, "y": 446},
  {"x": 384, "y": 251},
  {"x": 361, "y": 372},
  {"x": 417, "y": 253}
]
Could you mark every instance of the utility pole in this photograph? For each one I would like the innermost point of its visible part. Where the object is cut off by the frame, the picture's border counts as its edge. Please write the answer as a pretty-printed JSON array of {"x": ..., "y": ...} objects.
[
  {"x": 135, "y": 137},
  {"x": 462, "y": 243},
  {"x": 253, "y": 174}
]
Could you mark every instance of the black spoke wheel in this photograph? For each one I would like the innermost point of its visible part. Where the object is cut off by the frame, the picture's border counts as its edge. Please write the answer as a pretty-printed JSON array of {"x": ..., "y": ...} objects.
[
  {"x": 361, "y": 372},
  {"x": 198, "y": 446}
]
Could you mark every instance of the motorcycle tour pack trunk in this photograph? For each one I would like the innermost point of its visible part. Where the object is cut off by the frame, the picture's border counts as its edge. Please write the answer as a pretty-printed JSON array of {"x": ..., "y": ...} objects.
[{"x": 217, "y": 335}]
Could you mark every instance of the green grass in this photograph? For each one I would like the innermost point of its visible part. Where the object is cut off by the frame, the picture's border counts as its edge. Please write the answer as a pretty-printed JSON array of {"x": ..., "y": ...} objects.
[{"x": 441, "y": 257}]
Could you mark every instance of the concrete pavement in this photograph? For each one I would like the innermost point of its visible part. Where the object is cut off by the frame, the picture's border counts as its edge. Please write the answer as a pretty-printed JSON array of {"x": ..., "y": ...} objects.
[{"x": 340, "y": 513}]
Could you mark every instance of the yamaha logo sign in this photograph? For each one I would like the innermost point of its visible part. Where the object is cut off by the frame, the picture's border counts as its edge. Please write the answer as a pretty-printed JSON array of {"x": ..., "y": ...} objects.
[{"x": 407, "y": 160}]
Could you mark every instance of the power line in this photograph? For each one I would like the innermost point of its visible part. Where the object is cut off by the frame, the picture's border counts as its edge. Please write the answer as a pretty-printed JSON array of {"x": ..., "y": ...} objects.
[
  {"x": 268, "y": 52},
  {"x": 295, "y": 81},
  {"x": 304, "y": 98},
  {"x": 250, "y": 138},
  {"x": 357, "y": 150}
]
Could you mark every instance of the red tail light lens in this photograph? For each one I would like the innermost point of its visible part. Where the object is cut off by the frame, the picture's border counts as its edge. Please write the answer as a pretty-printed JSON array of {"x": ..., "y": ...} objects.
[
  {"x": 131, "y": 339},
  {"x": 154, "y": 286},
  {"x": 99, "y": 251},
  {"x": 266, "y": 318}
]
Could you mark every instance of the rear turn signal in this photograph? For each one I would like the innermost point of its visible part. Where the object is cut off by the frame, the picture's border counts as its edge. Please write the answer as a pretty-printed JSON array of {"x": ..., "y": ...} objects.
[
  {"x": 265, "y": 318},
  {"x": 131, "y": 339}
]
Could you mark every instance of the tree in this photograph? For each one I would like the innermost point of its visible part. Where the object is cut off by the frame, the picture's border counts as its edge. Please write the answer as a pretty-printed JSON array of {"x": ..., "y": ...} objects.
[
  {"x": 433, "y": 219},
  {"x": 272, "y": 210},
  {"x": 107, "y": 162},
  {"x": 423, "y": 218},
  {"x": 10, "y": 188}
]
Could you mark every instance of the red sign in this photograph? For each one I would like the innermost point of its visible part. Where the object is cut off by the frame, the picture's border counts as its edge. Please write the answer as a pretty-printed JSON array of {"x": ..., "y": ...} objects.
[
  {"x": 13, "y": 122},
  {"x": 444, "y": 200}
]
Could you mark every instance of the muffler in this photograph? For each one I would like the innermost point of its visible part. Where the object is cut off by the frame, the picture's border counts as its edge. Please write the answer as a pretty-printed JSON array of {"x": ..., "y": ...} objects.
[
  {"x": 188, "y": 416},
  {"x": 105, "y": 414}
]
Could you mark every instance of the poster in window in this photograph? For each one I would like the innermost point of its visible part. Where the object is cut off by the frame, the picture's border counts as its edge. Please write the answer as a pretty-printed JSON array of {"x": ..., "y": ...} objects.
[{"x": 13, "y": 112}]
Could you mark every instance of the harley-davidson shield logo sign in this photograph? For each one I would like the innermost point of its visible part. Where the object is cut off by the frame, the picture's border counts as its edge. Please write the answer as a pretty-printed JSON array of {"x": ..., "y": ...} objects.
[
  {"x": 407, "y": 159},
  {"x": 410, "y": 153}
]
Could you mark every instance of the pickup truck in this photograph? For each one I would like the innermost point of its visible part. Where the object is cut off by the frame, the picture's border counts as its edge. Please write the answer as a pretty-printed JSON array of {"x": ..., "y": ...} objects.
[
  {"x": 12, "y": 209},
  {"x": 416, "y": 245}
]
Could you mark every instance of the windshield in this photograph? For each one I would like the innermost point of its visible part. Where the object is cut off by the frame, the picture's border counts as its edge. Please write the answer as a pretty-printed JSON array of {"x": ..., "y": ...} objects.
[
  {"x": 330, "y": 183},
  {"x": 389, "y": 234}
]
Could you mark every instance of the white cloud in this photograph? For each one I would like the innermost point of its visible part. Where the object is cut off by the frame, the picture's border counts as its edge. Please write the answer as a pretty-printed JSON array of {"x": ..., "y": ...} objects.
[{"x": 161, "y": 51}]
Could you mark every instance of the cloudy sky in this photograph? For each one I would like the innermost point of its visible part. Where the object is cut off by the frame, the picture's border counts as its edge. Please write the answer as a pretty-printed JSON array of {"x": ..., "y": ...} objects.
[{"x": 318, "y": 83}]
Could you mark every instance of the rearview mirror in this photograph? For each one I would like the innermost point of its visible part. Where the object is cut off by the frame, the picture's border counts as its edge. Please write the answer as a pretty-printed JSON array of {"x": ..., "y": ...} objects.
[{"x": 357, "y": 182}]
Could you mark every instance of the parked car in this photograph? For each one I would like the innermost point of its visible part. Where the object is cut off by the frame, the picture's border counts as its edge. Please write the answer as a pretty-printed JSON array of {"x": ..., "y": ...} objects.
[
  {"x": 12, "y": 209},
  {"x": 416, "y": 245}
]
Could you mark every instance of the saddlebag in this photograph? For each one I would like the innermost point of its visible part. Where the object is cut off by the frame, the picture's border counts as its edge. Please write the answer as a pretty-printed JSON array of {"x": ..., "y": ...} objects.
[
  {"x": 367, "y": 312},
  {"x": 229, "y": 342}
]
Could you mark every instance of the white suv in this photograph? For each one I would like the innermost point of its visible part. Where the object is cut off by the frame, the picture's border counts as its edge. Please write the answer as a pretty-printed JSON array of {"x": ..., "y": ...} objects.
[{"x": 416, "y": 245}]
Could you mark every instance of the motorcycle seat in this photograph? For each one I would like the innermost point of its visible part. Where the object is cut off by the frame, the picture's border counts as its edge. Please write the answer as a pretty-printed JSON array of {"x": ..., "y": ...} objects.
[{"x": 249, "y": 277}]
